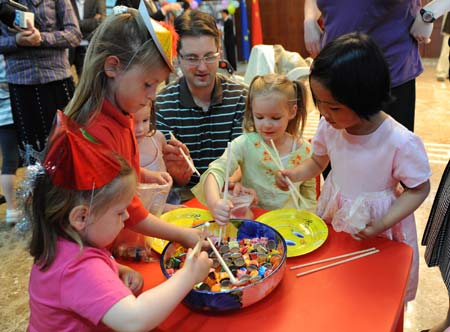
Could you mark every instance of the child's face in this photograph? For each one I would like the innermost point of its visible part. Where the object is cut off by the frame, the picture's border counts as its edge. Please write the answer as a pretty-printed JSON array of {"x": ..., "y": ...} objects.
[
  {"x": 103, "y": 229},
  {"x": 338, "y": 115},
  {"x": 271, "y": 115},
  {"x": 132, "y": 89},
  {"x": 142, "y": 122}
]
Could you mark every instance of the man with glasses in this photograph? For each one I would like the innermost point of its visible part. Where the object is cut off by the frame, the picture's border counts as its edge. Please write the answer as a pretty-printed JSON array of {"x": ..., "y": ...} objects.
[{"x": 203, "y": 109}]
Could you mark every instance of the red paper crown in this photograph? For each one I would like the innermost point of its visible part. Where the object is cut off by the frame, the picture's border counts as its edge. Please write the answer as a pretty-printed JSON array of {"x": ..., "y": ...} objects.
[{"x": 75, "y": 160}]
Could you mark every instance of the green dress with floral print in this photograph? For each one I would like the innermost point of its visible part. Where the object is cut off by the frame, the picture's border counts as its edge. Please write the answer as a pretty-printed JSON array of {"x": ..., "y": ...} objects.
[{"x": 258, "y": 169}]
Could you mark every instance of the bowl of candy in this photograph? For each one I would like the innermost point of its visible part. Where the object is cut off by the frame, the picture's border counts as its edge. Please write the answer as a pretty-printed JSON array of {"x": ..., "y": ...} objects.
[{"x": 254, "y": 253}]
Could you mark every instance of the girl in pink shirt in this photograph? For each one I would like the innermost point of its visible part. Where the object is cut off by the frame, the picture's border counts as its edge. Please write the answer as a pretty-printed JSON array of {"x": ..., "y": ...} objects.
[
  {"x": 380, "y": 171},
  {"x": 77, "y": 206}
]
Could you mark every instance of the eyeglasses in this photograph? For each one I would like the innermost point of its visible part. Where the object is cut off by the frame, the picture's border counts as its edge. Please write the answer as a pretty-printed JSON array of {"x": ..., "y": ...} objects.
[{"x": 195, "y": 61}]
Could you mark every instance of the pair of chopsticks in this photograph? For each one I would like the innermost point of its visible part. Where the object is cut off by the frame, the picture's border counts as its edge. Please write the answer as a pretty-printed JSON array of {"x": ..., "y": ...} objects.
[
  {"x": 189, "y": 161},
  {"x": 353, "y": 256},
  {"x": 198, "y": 247},
  {"x": 225, "y": 187},
  {"x": 295, "y": 195}
]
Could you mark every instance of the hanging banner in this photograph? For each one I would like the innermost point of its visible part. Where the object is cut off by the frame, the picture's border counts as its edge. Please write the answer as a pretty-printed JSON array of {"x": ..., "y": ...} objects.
[
  {"x": 245, "y": 40},
  {"x": 257, "y": 37}
]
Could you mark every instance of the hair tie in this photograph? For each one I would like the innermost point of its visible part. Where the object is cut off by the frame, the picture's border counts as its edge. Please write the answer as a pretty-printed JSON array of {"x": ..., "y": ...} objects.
[{"x": 117, "y": 10}]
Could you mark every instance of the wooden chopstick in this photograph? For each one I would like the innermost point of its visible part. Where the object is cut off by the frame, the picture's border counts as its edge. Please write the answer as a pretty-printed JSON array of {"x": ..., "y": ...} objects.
[
  {"x": 338, "y": 263},
  {"x": 332, "y": 258},
  {"x": 293, "y": 191},
  {"x": 190, "y": 163},
  {"x": 198, "y": 245}
]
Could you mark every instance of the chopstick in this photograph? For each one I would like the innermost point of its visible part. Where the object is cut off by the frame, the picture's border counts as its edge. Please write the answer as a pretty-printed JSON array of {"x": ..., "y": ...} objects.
[
  {"x": 225, "y": 188},
  {"x": 339, "y": 263},
  {"x": 190, "y": 163},
  {"x": 222, "y": 262},
  {"x": 198, "y": 245},
  {"x": 332, "y": 258},
  {"x": 293, "y": 191}
]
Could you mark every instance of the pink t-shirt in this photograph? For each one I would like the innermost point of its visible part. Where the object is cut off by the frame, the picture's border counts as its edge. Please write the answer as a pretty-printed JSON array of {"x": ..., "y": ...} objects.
[{"x": 76, "y": 291}]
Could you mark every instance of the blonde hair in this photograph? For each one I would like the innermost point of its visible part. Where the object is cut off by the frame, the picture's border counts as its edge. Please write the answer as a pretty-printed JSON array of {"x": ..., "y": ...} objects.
[
  {"x": 48, "y": 208},
  {"x": 124, "y": 36},
  {"x": 294, "y": 91}
]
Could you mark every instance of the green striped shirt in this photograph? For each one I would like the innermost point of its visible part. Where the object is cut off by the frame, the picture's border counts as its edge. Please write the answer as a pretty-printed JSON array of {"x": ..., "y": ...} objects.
[{"x": 205, "y": 133}]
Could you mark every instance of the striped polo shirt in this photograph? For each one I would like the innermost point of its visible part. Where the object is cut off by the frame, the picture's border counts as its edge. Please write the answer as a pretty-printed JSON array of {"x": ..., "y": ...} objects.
[{"x": 205, "y": 132}]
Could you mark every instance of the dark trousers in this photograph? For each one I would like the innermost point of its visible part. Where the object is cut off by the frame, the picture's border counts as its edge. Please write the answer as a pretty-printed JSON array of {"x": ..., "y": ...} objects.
[
  {"x": 76, "y": 57},
  {"x": 10, "y": 152},
  {"x": 404, "y": 106},
  {"x": 34, "y": 108}
]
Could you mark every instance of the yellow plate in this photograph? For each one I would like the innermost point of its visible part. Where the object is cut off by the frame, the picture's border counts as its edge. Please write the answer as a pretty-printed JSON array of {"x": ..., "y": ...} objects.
[
  {"x": 186, "y": 217},
  {"x": 303, "y": 231}
]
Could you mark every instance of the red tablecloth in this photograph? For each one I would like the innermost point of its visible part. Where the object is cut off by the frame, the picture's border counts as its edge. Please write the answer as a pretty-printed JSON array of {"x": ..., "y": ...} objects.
[{"x": 365, "y": 295}]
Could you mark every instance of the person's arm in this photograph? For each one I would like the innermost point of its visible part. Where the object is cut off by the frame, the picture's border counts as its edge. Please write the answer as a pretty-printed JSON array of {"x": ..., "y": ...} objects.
[
  {"x": 89, "y": 24},
  {"x": 403, "y": 206},
  {"x": 158, "y": 177},
  {"x": 156, "y": 227},
  {"x": 219, "y": 208},
  {"x": 152, "y": 307},
  {"x": 309, "y": 169},
  {"x": 312, "y": 30},
  {"x": 421, "y": 30},
  {"x": 68, "y": 34}
]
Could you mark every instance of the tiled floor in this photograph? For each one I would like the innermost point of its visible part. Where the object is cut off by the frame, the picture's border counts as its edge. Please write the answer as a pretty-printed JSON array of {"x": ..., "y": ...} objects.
[{"x": 433, "y": 125}]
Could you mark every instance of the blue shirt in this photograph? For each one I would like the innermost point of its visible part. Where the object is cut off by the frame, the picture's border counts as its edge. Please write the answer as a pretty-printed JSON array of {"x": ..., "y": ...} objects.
[{"x": 58, "y": 25}]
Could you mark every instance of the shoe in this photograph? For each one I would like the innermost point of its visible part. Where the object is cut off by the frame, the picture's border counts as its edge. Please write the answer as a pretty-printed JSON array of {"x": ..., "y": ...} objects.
[
  {"x": 2, "y": 199},
  {"x": 12, "y": 216},
  {"x": 427, "y": 330},
  {"x": 440, "y": 79}
]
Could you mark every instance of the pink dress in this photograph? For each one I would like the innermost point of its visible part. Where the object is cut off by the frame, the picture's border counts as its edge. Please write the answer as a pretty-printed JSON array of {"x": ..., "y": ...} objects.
[
  {"x": 148, "y": 147},
  {"x": 365, "y": 180}
]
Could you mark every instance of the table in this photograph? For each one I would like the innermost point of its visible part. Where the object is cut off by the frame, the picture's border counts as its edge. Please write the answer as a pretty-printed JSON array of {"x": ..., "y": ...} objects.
[{"x": 365, "y": 295}]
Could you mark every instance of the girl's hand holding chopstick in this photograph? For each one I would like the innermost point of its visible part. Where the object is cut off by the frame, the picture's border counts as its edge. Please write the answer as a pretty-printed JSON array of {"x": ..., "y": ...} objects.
[{"x": 221, "y": 211}]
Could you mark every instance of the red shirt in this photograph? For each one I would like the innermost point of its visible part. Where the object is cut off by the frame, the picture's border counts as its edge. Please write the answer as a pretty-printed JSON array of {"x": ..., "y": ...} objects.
[{"x": 115, "y": 130}]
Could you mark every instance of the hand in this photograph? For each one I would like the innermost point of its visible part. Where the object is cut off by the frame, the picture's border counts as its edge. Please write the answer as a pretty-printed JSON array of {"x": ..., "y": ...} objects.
[
  {"x": 198, "y": 266},
  {"x": 191, "y": 236},
  {"x": 176, "y": 165},
  {"x": 156, "y": 177},
  {"x": 131, "y": 278},
  {"x": 221, "y": 211},
  {"x": 280, "y": 180},
  {"x": 239, "y": 189},
  {"x": 30, "y": 37},
  {"x": 420, "y": 30},
  {"x": 312, "y": 36},
  {"x": 372, "y": 229}
]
